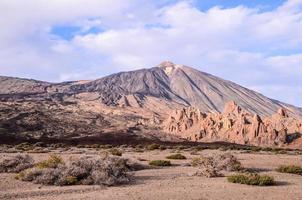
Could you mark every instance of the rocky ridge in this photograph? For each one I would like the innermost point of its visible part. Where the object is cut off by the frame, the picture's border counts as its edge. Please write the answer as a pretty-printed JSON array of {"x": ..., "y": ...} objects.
[{"x": 235, "y": 125}]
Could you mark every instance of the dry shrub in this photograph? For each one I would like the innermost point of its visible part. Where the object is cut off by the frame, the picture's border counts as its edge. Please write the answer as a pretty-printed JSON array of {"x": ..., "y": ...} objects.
[
  {"x": 84, "y": 170},
  {"x": 213, "y": 165},
  {"x": 109, "y": 171},
  {"x": 207, "y": 167},
  {"x": 228, "y": 162},
  {"x": 16, "y": 163}
]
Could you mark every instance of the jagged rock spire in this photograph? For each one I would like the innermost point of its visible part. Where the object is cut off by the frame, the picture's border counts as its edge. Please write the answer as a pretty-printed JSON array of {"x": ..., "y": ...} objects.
[
  {"x": 282, "y": 112},
  {"x": 232, "y": 107}
]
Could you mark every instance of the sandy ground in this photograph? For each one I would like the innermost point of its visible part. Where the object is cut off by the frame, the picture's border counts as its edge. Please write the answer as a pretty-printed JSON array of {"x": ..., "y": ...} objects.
[{"x": 167, "y": 183}]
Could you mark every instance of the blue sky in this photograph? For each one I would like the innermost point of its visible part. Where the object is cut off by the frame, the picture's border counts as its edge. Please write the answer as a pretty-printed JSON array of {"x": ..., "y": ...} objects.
[
  {"x": 69, "y": 31},
  {"x": 264, "y": 4},
  {"x": 257, "y": 44}
]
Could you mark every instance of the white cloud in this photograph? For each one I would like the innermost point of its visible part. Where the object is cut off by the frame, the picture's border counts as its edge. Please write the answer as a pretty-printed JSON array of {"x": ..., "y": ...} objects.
[{"x": 259, "y": 49}]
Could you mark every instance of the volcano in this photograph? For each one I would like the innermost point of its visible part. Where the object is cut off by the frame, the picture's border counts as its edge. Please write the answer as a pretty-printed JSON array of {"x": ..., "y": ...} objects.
[{"x": 126, "y": 106}]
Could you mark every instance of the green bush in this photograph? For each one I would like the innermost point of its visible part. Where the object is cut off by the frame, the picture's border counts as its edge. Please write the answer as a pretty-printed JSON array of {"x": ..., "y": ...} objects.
[
  {"x": 162, "y": 147},
  {"x": 52, "y": 162},
  {"x": 153, "y": 146},
  {"x": 80, "y": 146},
  {"x": 24, "y": 146},
  {"x": 177, "y": 156},
  {"x": 95, "y": 146},
  {"x": 199, "y": 148},
  {"x": 138, "y": 150},
  {"x": 160, "y": 163},
  {"x": 71, "y": 180},
  {"x": 58, "y": 145},
  {"x": 106, "y": 146},
  {"x": 255, "y": 149},
  {"x": 291, "y": 169},
  {"x": 182, "y": 147},
  {"x": 116, "y": 152},
  {"x": 139, "y": 146},
  {"x": 252, "y": 179}
]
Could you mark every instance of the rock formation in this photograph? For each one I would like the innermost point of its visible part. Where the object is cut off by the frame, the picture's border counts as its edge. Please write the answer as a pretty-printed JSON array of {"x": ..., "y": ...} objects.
[{"x": 234, "y": 125}]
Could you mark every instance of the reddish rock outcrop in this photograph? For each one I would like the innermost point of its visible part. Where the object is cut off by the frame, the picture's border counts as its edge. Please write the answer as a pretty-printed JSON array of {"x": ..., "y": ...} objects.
[{"x": 235, "y": 125}]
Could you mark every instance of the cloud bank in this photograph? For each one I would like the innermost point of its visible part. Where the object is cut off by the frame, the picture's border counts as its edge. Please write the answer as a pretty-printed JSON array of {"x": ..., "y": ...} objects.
[{"x": 63, "y": 40}]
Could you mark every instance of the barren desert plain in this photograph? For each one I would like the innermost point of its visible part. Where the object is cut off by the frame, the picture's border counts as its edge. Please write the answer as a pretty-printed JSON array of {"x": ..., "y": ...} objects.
[{"x": 178, "y": 181}]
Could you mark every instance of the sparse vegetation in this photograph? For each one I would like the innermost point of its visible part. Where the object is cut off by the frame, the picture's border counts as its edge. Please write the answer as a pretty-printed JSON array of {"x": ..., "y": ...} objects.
[
  {"x": 162, "y": 163},
  {"x": 182, "y": 147},
  {"x": 15, "y": 163},
  {"x": 206, "y": 167},
  {"x": 177, "y": 156},
  {"x": 116, "y": 152},
  {"x": 85, "y": 170},
  {"x": 162, "y": 147},
  {"x": 95, "y": 146},
  {"x": 139, "y": 146},
  {"x": 255, "y": 149},
  {"x": 80, "y": 146},
  {"x": 196, "y": 161},
  {"x": 24, "y": 146},
  {"x": 106, "y": 146},
  {"x": 213, "y": 165},
  {"x": 52, "y": 162},
  {"x": 58, "y": 145},
  {"x": 138, "y": 150},
  {"x": 228, "y": 162},
  {"x": 194, "y": 152},
  {"x": 291, "y": 169},
  {"x": 71, "y": 180},
  {"x": 252, "y": 179},
  {"x": 153, "y": 146},
  {"x": 39, "y": 144}
]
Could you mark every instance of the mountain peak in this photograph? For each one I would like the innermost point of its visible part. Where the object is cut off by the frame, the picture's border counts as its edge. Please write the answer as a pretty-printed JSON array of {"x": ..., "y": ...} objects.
[
  {"x": 166, "y": 64},
  {"x": 169, "y": 66}
]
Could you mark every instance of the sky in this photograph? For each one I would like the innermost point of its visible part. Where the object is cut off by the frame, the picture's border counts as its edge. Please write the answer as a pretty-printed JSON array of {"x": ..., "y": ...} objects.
[{"x": 257, "y": 44}]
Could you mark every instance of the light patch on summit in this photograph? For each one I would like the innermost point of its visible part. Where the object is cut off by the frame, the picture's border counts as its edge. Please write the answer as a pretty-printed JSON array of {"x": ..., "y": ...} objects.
[
  {"x": 168, "y": 67},
  {"x": 168, "y": 70}
]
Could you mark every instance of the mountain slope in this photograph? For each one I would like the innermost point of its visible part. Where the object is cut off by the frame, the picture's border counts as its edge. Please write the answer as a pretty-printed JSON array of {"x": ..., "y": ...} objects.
[
  {"x": 177, "y": 84},
  {"x": 183, "y": 85}
]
